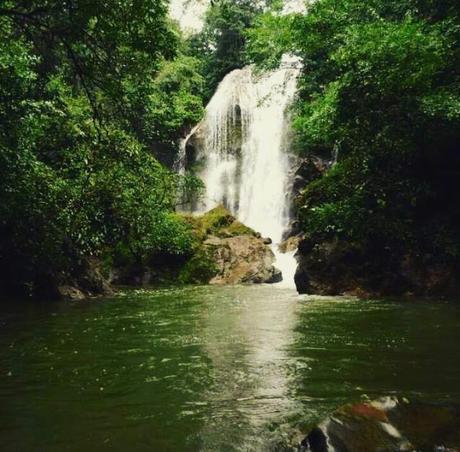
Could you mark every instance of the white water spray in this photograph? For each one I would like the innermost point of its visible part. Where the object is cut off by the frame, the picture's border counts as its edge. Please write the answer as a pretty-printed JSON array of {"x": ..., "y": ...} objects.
[{"x": 243, "y": 144}]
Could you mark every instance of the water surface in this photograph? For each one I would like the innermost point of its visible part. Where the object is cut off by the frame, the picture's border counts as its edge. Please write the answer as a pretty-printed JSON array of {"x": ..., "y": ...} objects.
[{"x": 211, "y": 369}]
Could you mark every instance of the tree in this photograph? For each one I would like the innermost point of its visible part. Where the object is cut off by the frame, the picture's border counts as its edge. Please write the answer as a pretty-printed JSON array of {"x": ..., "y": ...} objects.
[{"x": 80, "y": 84}]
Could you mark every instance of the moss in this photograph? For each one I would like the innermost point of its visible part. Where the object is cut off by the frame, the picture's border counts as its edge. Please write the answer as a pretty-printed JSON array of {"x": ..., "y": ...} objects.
[
  {"x": 219, "y": 222},
  {"x": 237, "y": 228},
  {"x": 216, "y": 219},
  {"x": 200, "y": 269}
]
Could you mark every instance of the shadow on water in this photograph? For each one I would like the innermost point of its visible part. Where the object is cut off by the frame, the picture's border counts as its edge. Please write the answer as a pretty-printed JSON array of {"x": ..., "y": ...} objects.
[{"x": 232, "y": 368}]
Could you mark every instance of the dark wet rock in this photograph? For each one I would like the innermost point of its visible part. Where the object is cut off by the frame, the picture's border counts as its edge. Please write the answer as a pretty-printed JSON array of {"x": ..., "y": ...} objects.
[
  {"x": 86, "y": 281},
  {"x": 388, "y": 424},
  {"x": 277, "y": 276},
  {"x": 323, "y": 268},
  {"x": 337, "y": 267},
  {"x": 431, "y": 279},
  {"x": 92, "y": 280},
  {"x": 267, "y": 241},
  {"x": 309, "y": 169},
  {"x": 315, "y": 441},
  {"x": 70, "y": 293}
]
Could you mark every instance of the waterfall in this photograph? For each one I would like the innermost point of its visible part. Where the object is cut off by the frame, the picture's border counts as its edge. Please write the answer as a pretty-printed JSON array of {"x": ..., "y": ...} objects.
[{"x": 242, "y": 146}]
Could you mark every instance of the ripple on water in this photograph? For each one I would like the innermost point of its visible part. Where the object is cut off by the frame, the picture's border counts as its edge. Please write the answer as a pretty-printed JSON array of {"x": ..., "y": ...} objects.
[{"x": 207, "y": 368}]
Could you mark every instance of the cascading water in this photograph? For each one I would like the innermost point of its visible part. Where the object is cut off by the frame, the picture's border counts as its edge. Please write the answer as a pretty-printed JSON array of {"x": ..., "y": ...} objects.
[{"x": 243, "y": 143}]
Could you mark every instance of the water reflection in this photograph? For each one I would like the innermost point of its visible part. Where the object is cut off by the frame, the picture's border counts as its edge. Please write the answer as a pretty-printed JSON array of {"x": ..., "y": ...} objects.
[
  {"x": 246, "y": 341},
  {"x": 208, "y": 368}
]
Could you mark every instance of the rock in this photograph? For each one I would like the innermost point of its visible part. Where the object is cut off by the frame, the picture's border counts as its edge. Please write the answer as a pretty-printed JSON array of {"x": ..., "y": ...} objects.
[
  {"x": 225, "y": 252},
  {"x": 322, "y": 268},
  {"x": 340, "y": 267},
  {"x": 267, "y": 241},
  {"x": 92, "y": 281},
  {"x": 291, "y": 244},
  {"x": 309, "y": 169},
  {"x": 315, "y": 441},
  {"x": 429, "y": 279},
  {"x": 70, "y": 293},
  {"x": 388, "y": 424},
  {"x": 242, "y": 259}
]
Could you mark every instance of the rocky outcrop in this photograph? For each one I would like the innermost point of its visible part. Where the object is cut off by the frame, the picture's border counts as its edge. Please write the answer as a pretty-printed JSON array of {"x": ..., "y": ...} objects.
[
  {"x": 225, "y": 251},
  {"x": 308, "y": 170},
  {"x": 70, "y": 293},
  {"x": 388, "y": 424},
  {"x": 229, "y": 252},
  {"x": 88, "y": 281},
  {"x": 242, "y": 259},
  {"x": 324, "y": 268},
  {"x": 339, "y": 267}
]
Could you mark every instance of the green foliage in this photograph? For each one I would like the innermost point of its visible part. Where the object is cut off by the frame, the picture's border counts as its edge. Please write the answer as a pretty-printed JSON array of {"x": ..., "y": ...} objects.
[
  {"x": 200, "y": 269},
  {"x": 89, "y": 93},
  {"x": 174, "y": 99},
  {"x": 269, "y": 38},
  {"x": 381, "y": 89},
  {"x": 221, "y": 44}
]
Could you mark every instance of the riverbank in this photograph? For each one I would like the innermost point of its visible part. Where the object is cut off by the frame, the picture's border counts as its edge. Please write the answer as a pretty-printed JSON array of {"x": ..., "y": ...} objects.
[{"x": 224, "y": 251}]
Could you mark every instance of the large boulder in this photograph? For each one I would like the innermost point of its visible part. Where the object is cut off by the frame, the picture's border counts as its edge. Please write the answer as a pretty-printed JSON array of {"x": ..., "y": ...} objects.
[
  {"x": 340, "y": 267},
  {"x": 225, "y": 251},
  {"x": 325, "y": 268},
  {"x": 388, "y": 424},
  {"x": 242, "y": 259}
]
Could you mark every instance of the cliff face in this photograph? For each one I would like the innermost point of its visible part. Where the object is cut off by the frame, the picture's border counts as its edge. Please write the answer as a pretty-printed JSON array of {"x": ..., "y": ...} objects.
[{"x": 329, "y": 264}]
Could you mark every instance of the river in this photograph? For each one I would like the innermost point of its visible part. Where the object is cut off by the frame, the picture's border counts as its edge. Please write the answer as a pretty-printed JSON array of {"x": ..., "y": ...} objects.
[{"x": 211, "y": 368}]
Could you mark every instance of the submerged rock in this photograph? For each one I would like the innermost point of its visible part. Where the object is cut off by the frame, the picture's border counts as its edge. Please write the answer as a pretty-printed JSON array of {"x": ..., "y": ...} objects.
[{"x": 388, "y": 424}]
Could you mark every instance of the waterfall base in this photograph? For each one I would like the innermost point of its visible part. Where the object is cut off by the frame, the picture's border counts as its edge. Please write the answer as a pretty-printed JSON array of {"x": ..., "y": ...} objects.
[{"x": 287, "y": 264}]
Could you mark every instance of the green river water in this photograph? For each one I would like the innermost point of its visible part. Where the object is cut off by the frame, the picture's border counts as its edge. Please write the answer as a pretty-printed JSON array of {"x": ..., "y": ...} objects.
[{"x": 211, "y": 369}]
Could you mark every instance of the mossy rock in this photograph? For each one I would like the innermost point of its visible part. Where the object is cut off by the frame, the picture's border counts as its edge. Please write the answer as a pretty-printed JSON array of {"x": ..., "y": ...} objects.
[
  {"x": 218, "y": 222},
  {"x": 200, "y": 269},
  {"x": 235, "y": 229},
  {"x": 216, "y": 219}
]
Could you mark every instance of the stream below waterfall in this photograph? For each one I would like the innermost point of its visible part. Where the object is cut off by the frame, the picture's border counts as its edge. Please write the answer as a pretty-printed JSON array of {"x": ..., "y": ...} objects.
[{"x": 211, "y": 368}]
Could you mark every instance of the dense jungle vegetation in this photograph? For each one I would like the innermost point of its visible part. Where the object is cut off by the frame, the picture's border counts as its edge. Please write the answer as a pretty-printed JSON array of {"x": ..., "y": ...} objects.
[{"x": 94, "y": 96}]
